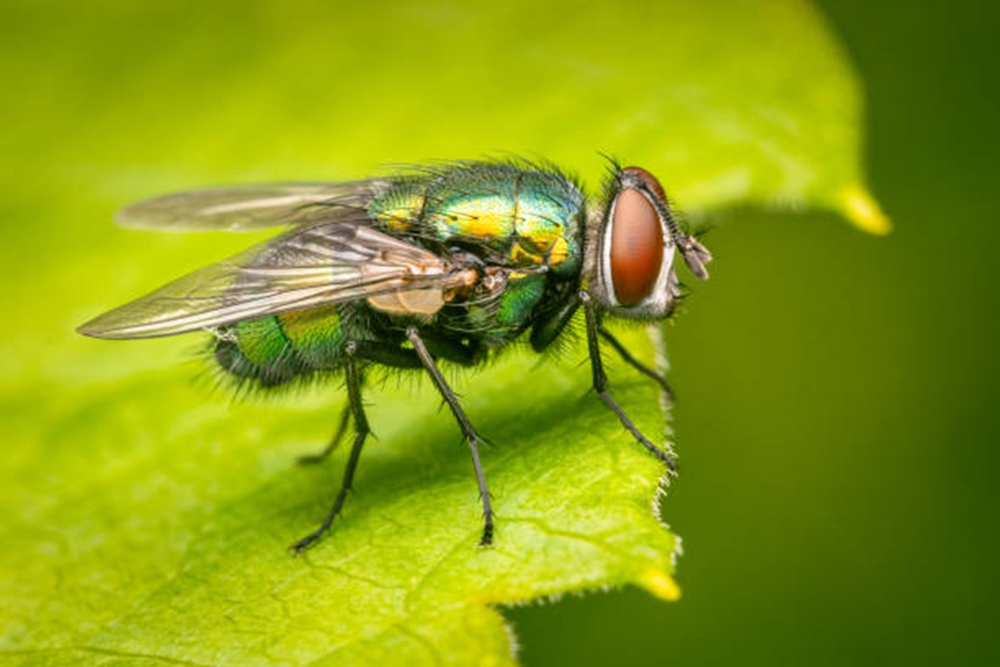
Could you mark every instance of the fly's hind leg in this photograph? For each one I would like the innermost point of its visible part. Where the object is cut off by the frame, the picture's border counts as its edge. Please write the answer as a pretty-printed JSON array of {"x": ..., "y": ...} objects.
[
  {"x": 601, "y": 384},
  {"x": 338, "y": 435},
  {"x": 361, "y": 432},
  {"x": 471, "y": 436}
]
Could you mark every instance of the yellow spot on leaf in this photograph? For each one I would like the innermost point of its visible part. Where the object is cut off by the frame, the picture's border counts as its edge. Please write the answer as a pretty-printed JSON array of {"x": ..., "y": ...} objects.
[
  {"x": 660, "y": 584},
  {"x": 862, "y": 210}
]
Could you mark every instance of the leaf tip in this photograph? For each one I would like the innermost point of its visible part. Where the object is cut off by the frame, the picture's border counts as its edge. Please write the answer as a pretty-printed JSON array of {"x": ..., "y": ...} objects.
[
  {"x": 863, "y": 211},
  {"x": 660, "y": 584}
]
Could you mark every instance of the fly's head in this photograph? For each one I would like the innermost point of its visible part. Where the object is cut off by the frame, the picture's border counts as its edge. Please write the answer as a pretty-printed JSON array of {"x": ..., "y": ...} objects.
[{"x": 633, "y": 248}]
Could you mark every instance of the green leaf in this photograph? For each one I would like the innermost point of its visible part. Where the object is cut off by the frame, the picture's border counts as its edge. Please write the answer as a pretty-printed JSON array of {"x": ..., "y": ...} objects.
[{"x": 146, "y": 517}]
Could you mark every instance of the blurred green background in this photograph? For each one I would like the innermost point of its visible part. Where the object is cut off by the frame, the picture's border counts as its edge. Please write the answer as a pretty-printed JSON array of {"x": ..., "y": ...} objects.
[
  {"x": 838, "y": 399},
  {"x": 836, "y": 411}
]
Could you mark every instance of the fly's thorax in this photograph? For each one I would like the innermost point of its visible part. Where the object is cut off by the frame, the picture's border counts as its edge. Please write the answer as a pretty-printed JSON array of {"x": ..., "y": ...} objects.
[
  {"x": 630, "y": 264},
  {"x": 520, "y": 217},
  {"x": 550, "y": 222},
  {"x": 503, "y": 307},
  {"x": 482, "y": 217},
  {"x": 398, "y": 207}
]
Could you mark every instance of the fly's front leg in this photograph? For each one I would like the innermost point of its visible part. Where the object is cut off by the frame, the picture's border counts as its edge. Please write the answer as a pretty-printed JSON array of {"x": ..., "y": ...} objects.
[
  {"x": 361, "y": 431},
  {"x": 471, "y": 437},
  {"x": 345, "y": 417},
  {"x": 601, "y": 383},
  {"x": 635, "y": 363}
]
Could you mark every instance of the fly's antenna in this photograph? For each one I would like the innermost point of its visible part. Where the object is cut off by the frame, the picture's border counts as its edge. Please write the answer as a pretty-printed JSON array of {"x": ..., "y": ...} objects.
[{"x": 696, "y": 256}]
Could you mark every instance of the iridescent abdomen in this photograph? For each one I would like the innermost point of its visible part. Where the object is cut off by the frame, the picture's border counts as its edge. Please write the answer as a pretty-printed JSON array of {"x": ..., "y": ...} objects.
[{"x": 275, "y": 349}]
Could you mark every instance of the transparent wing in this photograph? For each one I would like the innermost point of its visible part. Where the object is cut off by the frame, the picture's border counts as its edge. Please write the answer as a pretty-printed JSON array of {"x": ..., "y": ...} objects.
[
  {"x": 303, "y": 268},
  {"x": 248, "y": 207}
]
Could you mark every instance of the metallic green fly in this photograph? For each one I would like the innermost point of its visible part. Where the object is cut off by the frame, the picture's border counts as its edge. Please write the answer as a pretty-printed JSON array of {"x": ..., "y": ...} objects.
[{"x": 447, "y": 263}]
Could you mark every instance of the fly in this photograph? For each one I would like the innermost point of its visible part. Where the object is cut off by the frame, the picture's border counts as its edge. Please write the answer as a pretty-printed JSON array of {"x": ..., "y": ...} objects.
[{"x": 445, "y": 264}]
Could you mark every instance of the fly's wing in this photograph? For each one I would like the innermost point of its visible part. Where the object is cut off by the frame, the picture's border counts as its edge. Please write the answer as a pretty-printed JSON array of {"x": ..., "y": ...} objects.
[
  {"x": 248, "y": 207},
  {"x": 306, "y": 267}
]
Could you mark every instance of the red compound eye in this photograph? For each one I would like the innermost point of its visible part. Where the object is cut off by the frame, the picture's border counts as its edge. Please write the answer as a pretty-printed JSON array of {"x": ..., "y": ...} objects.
[
  {"x": 651, "y": 182},
  {"x": 636, "y": 245}
]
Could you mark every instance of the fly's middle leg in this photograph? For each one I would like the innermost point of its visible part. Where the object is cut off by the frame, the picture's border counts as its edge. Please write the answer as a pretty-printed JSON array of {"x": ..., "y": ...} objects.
[
  {"x": 635, "y": 363},
  {"x": 600, "y": 379},
  {"x": 471, "y": 436},
  {"x": 361, "y": 432}
]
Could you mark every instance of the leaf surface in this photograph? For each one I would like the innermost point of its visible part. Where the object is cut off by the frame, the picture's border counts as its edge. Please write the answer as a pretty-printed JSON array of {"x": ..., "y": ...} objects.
[{"x": 146, "y": 518}]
